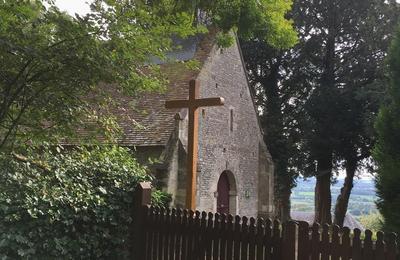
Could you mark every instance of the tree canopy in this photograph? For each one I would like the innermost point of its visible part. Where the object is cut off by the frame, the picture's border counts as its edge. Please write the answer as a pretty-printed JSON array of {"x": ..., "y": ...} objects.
[
  {"x": 50, "y": 60},
  {"x": 387, "y": 149},
  {"x": 319, "y": 98}
]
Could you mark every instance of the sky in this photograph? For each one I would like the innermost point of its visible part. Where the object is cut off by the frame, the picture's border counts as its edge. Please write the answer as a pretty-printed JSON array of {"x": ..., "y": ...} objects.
[{"x": 74, "y": 6}]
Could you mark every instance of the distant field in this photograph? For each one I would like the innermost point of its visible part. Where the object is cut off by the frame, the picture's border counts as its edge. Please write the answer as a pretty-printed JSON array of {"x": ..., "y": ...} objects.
[{"x": 361, "y": 200}]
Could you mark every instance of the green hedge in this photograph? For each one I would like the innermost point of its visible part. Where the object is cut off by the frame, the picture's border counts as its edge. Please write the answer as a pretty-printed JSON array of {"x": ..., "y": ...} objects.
[{"x": 68, "y": 205}]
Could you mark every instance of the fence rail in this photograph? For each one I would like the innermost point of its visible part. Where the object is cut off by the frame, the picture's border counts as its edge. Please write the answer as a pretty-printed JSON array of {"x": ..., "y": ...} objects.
[{"x": 174, "y": 234}]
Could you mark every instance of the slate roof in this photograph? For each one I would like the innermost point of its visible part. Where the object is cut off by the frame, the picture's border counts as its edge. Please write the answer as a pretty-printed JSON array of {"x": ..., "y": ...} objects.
[
  {"x": 144, "y": 120},
  {"x": 349, "y": 220}
]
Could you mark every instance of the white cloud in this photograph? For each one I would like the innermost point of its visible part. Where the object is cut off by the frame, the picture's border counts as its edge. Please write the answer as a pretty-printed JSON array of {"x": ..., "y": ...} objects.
[{"x": 72, "y": 7}]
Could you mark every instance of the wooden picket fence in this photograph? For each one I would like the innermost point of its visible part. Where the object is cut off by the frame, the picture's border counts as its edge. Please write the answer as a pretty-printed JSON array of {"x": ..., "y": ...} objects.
[
  {"x": 174, "y": 234},
  {"x": 334, "y": 243}
]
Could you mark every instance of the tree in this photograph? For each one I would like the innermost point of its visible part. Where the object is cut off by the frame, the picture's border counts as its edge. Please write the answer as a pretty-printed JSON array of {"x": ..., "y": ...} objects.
[
  {"x": 345, "y": 60},
  {"x": 269, "y": 70},
  {"x": 50, "y": 60},
  {"x": 250, "y": 18},
  {"x": 362, "y": 95},
  {"x": 387, "y": 149},
  {"x": 318, "y": 99}
]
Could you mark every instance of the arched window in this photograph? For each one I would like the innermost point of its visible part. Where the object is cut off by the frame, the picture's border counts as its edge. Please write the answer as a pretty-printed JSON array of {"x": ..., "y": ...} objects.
[{"x": 231, "y": 120}]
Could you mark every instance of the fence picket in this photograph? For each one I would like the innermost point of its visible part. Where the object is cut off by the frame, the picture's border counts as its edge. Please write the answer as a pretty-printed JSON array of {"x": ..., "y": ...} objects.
[
  {"x": 210, "y": 227},
  {"x": 303, "y": 241},
  {"x": 391, "y": 253},
  {"x": 161, "y": 228},
  {"x": 191, "y": 234},
  {"x": 244, "y": 239},
  {"x": 222, "y": 234},
  {"x": 276, "y": 240},
  {"x": 289, "y": 240},
  {"x": 148, "y": 233},
  {"x": 197, "y": 236},
  {"x": 156, "y": 233},
  {"x": 185, "y": 234},
  {"x": 335, "y": 246},
  {"x": 236, "y": 245},
  {"x": 154, "y": 238},
  {"x": 202, "y": 247},
  {"x": 356, "y": 251},
  {"x": 230, "y": 237},
  {"x": 315, "y": 240},
  {"x": 259, "y": 239},
  {"x": 346, "y": 247},
  {"x": 224, "y": 237},
  {"x": 167, "y": 233},
  {"x": 325, "y": 243},
  {"x": 379, "y": 246},
  {"x": 268, "y": 239},
  {"x": 252, "y": 239},
  {"x": 179, "y": 230},
  {"x": 216, "y": 240},
  {"x": 172, "y": 240},
  {"x": 368, "y": 253}
]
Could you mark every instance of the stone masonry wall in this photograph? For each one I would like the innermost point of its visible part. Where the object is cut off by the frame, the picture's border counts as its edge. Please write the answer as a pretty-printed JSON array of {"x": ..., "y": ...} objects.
[{"x": 229, "y": 136}]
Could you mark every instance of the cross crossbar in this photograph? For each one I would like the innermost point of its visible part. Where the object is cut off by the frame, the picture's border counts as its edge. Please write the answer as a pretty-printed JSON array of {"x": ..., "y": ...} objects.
[{"x": 186, "y": 103}]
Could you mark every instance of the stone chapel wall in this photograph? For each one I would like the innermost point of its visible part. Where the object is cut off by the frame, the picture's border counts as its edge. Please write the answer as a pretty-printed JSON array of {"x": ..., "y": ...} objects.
[{"x": 229, "y": 136}]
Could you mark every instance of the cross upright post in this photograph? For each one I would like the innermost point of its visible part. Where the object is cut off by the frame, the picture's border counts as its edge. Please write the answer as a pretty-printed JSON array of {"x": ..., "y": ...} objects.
[{"x": 193, "y": 103}]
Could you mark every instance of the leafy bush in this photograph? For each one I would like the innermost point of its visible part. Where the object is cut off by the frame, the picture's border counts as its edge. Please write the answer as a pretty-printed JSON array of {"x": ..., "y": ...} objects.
[
  {"x": 372, "y": 221},
  {"x": 160, "y": 198},
  {"x": 68, "y": 205}
]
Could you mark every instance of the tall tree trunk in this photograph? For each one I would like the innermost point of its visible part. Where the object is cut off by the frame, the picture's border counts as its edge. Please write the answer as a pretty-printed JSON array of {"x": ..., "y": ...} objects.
[
  {"x": 323, "y": 198},
  {"x": 282, "y": 205},
  {"x": 342, "y": 201},
  {"x": 275, "y": 140}
]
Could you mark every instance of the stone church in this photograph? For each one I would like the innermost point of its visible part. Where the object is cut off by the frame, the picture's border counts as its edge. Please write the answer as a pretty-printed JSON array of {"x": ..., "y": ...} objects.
[{"x": 235, "y": 169}]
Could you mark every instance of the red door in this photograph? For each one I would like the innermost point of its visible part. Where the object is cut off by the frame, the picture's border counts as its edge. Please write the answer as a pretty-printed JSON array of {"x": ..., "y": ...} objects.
[{"x": 223, "y": 194}]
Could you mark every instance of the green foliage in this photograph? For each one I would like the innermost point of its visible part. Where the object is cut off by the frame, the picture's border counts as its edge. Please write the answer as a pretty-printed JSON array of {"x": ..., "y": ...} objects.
[
  {"x": 372, "y": 222},
  {"x": 250, "y": 18},
  {"x": 161, "y": 199},
  {"x": 68, "y": 204},
  {"x": 387, "y": 149},
  {"x": 50, "y": 60},
  {"x": 343, "y": 60},
  {"x": 318, "y": 99},
  {"x": 340, "y": 74}
]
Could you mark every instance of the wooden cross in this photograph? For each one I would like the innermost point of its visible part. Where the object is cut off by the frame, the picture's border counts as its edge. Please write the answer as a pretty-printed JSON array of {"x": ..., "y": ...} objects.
[{"x": 193, "y": 103}]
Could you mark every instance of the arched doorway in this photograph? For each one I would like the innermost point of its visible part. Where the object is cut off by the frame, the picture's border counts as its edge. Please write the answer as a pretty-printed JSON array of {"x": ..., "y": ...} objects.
[
  {"x": 226, "y": 190},
  {"x": 223, "y": 194}
]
